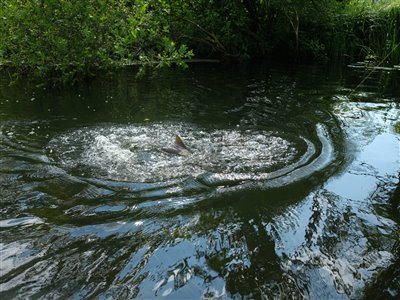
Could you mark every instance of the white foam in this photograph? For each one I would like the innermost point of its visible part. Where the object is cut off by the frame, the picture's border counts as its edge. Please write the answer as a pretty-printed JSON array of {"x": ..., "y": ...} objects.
[{"x": 134, "y": 153}]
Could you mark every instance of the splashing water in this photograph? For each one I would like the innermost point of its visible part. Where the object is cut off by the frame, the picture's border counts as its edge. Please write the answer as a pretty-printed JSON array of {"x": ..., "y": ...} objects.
[
  {"x": 291, "y": 201},
  {"x": 133, "y": 153}
]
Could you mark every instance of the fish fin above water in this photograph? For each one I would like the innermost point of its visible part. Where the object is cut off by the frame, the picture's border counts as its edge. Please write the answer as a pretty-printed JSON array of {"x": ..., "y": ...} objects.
[
  {"x": 179, "y": 142},
  {"x": 178, "y": 148}
]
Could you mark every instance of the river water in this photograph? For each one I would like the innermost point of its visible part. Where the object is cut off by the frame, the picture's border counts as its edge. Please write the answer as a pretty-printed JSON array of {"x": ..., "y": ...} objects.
[{"x": 286, "y": 192}]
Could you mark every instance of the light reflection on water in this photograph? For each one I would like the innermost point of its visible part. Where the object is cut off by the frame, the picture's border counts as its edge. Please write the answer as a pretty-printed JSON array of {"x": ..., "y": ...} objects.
[
  {"x": 218, "y": 158},
  {"x": 343, "y": 229},
  {"x": 285, "y": 195},
  {"x": 133, "y": 153}
]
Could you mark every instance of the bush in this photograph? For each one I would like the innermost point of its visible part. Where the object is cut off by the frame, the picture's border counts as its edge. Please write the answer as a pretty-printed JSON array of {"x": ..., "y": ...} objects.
[{"x": 66, "y": 40}]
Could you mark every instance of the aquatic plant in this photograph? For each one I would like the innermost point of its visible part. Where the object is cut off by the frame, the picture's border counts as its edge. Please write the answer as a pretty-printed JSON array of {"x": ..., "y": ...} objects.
[{"x": 371, "y": 31}]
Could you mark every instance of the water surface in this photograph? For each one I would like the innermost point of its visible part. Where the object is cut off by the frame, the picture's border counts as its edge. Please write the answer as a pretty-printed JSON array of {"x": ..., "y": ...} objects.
[{"x": 286, "y": 192}]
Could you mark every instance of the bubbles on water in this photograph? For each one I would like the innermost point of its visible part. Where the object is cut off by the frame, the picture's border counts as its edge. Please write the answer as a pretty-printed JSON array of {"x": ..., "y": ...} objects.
[{"x": 134, "y": 153}]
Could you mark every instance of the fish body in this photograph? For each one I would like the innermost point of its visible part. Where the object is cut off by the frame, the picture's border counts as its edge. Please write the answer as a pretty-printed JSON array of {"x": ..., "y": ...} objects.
[{"x": 178, "y": 148}]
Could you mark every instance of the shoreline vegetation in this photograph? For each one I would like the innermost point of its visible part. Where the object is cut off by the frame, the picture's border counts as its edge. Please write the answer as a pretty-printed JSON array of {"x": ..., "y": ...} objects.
[{"x": 64, "y": 41}]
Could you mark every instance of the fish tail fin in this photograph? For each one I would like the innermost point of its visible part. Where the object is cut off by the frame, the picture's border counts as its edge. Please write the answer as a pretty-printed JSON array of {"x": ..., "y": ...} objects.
[{"x": 179, "y": 142}]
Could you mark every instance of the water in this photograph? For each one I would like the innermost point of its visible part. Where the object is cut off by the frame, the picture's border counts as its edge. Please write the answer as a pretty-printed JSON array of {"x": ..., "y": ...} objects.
[{"x": 287, "y": 191}]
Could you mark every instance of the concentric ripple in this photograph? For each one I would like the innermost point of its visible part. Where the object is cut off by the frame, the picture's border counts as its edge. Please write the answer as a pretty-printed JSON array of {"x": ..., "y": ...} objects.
[
  {"x": 292, "y": 202},
  {"x": 219, "y": 157}
]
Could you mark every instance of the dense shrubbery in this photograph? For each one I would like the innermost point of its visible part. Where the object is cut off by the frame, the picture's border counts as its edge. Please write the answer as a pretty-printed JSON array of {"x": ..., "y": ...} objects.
[
  {"x": 294, "y": 29},
  {"x": 69, "y": 39},
  {"x": 368, "y": 30}
]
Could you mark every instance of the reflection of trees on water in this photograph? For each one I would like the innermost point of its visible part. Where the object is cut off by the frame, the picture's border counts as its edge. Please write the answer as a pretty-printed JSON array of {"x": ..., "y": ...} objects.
[
  {"x": 242, "y": 252},
  {"x": 103, "y": 239}
]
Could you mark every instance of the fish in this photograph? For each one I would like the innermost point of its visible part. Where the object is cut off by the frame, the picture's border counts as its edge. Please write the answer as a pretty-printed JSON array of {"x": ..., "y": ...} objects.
[{"x": 177, "y": 148}]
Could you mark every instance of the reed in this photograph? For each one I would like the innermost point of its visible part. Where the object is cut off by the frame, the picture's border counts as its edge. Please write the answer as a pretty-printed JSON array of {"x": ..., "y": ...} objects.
[{"x": 368, "y": 31}]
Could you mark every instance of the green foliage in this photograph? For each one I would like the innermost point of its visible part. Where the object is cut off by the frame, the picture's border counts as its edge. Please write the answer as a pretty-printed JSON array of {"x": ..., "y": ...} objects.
[
  {"x": 304, "y": 29},
  {"x": 368, "y": 30},
  {"x": 396, "y": 127},
  {"x": 211, "y": 28},
  {"x": 67, "y": 40}
]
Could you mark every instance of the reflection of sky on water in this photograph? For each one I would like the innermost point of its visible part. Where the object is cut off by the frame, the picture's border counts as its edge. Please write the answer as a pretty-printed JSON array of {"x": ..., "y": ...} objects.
[
  {"x": 384, "y": 152},
  {"x": 327, "y": 239},
  {"x": 75, "y": 225},
  {"x": 105, "y": 230},
  {"x": 351, "y": 186}
]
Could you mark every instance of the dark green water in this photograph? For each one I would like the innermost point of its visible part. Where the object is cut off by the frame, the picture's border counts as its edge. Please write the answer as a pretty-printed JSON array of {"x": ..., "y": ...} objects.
[{"x": 287, "y": 192}]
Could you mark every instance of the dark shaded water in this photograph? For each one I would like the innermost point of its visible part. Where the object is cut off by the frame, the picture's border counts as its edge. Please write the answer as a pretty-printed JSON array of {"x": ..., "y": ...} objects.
[{"x": 286, "y": 193}]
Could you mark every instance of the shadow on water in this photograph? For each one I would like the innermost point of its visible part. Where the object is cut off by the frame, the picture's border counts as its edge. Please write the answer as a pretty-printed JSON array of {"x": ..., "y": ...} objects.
[{"x": 286, "y": 193}]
